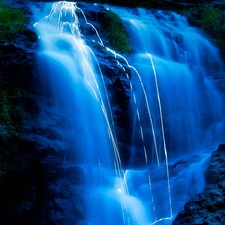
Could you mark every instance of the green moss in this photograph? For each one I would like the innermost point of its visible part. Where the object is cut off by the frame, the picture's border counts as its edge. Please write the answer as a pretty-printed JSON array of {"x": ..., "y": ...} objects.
[
  {"x": 12, "y": 21},
  {"x": 116, "y": 32},
  {"x": 212, "y": 20}
]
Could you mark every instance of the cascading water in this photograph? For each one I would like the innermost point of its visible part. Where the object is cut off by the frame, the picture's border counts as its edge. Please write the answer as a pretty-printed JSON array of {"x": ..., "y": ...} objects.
[
  {"x": 174, "y": 98},
  {"x": 172, "y": 106},
  {"x": 167, "y": 47},
  {"x": 174, "y": 95}
]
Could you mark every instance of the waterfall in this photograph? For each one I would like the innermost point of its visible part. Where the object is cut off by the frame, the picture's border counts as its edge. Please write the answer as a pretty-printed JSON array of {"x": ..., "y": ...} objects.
[
  {"x": 173, "y": 89},
  {"x": 185, "y": 64}
]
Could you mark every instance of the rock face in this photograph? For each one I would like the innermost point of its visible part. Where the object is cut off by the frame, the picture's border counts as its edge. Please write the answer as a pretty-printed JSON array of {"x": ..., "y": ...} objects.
[
  {"x": 208, "y": 207},
  {"x": 215, "y": 172},
  {"x": 20, "y": 169}
]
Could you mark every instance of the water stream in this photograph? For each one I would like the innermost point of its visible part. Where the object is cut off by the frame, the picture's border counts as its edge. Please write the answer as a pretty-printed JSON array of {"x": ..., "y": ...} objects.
[{"x": 175, "y": 120}]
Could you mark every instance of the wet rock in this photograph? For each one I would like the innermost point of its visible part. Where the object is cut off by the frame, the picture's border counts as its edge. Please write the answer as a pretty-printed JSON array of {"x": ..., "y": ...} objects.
[
  {"x": 114, "y": 74},
  {"x": 216, "y": 169},
  {"x": 208, "y": 207}
]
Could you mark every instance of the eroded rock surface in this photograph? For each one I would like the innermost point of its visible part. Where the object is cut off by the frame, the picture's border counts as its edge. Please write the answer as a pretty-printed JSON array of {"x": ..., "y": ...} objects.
[{"x": 208, "y": 207}]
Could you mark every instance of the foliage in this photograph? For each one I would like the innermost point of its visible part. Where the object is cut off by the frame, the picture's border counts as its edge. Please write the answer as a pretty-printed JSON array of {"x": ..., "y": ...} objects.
[
  {"x": 12, "y": 21},
  {"x": 11, "y": 114},
  {"x": 116, "y": 32},
  {"x": 212, "y": 20},
  {"x": 220, "y": 42}
]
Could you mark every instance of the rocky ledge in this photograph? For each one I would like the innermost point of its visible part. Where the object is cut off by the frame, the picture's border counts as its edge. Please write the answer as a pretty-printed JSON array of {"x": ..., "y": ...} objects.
[{"x": 208, "y": 208}]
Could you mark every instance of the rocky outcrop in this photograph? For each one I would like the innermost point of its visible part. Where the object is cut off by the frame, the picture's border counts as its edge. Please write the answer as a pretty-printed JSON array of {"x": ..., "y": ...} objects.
[
  {"x": 208, "y": 207},
  {"x": 20, "y": 176},
  {"x": 215, "y": 172}
]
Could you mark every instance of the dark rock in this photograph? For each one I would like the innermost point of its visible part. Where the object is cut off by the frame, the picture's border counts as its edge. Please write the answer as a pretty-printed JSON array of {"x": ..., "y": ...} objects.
[
  {"x": 115, "y": 70},
  {"x": 119, "y": 95},
  {"x": 215, "y": 172},
  {"x": 209, "y": 206},
  {"x": 221, "y": 147}
]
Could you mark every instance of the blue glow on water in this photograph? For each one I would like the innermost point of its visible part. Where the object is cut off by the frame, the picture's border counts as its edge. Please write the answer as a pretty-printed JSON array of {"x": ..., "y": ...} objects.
[{"x": 172, "y": 107}]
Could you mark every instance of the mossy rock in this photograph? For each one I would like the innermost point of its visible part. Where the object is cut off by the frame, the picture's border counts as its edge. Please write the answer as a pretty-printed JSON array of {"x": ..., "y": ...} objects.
[
  {"x": 212, "y": 20},
  {"x": 12, "y": 21},
  {"x": 116, "y": 32}
]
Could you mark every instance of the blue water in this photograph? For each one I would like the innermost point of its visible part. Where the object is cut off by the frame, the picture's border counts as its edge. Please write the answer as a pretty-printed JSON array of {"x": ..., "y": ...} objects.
[
  {"x": 185, "y": 64},
  {"x": 172, "y": 104}
]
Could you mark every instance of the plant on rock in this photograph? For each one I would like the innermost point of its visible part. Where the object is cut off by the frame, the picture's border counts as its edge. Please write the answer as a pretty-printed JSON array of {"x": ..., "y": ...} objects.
[
  {"x": 12, "y": 21},
  {"x": 212, "y": 20},
  {"x": 116, "y": 32},
  {"x": 11, "y": 113}
]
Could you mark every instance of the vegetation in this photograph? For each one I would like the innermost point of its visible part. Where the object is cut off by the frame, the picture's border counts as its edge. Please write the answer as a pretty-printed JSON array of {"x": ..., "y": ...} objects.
[
  {"x": 116, "y": 32},
  {"x": 11, "y": 114},
  {"x": 17, "y": 156},
  {"x": 212, "y": 20},
  {"x": 12, "y": 21}
]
